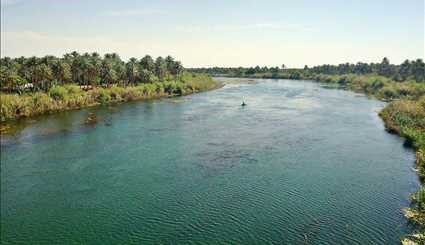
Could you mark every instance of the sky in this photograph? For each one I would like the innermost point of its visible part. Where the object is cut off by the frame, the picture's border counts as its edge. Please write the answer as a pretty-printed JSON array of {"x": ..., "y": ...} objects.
[{"x": 222, "y": 33}]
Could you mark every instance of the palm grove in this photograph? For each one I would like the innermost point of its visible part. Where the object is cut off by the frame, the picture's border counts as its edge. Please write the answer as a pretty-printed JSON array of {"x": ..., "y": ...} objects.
[
  {"x": 34, "y": 86},
  {"x": 40, "y": 74}
]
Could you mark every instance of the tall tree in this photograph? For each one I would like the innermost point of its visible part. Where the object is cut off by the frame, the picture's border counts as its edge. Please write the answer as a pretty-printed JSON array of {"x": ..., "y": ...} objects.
[
  {"x": 43, "y": 77},
  {"x": 385, "y": 68},
  {"x": 62, "y": 71},
  {"x": 132, "y": 71},
  {"x": 10, "y": 80},
  {"x": 147, "y": 63},
  {"x": 418, "y": 70},
  {"x": 177, "y": 69},
  {"x": 160, "y": 68},
  {"x": 108, "y": 74}
]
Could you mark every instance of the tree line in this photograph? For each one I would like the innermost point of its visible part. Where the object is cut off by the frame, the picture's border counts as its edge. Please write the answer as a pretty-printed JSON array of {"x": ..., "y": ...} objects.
[
  {"x": 409, "y": 70},
  {"x": 88, "y": 69}
]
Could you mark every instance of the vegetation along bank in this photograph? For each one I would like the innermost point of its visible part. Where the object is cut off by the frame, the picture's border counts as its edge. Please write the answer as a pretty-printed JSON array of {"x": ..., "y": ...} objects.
[{"x": 34, "y": 86}]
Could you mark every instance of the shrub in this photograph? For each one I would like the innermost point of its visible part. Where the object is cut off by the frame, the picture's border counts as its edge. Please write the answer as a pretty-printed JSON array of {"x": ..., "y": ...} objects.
[
  {"x": 71, "y": 96},
  {"x": 58, "y": 93},
  {"x": 117, "y": 93},
  {"x": 73, "y": 89},
  {"x": 102, "y": 95},
  {"x": 10, "y": 104},
  {"x": 41, "y": 102}
]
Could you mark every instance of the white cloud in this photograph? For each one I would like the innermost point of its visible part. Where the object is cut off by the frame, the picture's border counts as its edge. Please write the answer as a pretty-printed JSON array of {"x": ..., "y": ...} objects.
[{"x": 133, "y": 12}]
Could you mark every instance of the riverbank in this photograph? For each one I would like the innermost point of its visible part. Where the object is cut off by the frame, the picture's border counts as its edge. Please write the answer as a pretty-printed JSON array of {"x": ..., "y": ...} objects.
[
  {"x": 407, "y": 119},
  {"x": 69, "y": 97}
]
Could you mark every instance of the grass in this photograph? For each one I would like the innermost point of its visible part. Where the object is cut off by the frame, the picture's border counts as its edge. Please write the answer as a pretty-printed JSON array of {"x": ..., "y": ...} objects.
[
  {"x": 407, "y": 118},
  {"x": 69, "y": 97}
]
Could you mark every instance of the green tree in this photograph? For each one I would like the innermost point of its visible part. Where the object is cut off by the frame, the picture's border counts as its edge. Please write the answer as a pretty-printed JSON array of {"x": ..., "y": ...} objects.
[
  {"x": 146, "y": 76},
  {"x": 108, "y": 74},
  {"x": 132, "y": 71},
  {"x": 10, "y": 80},
  {"x": 147, "y": 63},
  {"x": 160, "y": 68},
  {"x": 62, "y": 71},
  {"x": 418, "y": 70},
  {"x": 177, "y": 70},
  {"x": 385, "y": 68},
  {"x": 405, "y": 70},
  {"x": 43, "y": 77}
]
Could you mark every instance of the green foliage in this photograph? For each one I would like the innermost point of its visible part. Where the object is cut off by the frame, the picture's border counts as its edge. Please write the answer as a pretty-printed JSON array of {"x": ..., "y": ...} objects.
[
  {"x": 416, "y": 214},
  {"x": 11, "y": 81},
  {"x": 58, "y": 93},
  {"x": 73, "y": 89},
  {"x": 12, "y": 105},
  {"x": 407, "y": 118},
  {"x": 160, "y": 68},
  {"x": 379, "y": 86},
  {"x": 71, "y": 96},
  {"x": 408, "y": 70},
  {"x": 89, "y": 70},
  {"x": 101, "y": 95}
]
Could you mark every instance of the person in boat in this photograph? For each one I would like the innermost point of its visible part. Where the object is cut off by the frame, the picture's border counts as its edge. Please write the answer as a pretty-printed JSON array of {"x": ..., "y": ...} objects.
[{"x": 243, "y": 103}]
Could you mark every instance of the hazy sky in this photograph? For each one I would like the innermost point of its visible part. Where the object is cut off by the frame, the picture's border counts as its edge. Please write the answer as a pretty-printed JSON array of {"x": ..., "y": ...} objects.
[{"x": 218, "y": 32}]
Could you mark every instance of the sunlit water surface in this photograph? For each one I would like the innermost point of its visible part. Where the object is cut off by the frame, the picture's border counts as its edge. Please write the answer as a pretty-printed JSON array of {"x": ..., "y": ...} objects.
[{"x": 301, "y": 164}]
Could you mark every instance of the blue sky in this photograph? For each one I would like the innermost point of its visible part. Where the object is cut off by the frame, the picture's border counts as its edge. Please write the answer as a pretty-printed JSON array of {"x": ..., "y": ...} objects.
[{"x": 219, "y": 32}]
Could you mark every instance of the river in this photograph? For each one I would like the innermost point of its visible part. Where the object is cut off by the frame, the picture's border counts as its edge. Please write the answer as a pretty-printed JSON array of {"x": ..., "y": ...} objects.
[{"x": 300, "y": 164}]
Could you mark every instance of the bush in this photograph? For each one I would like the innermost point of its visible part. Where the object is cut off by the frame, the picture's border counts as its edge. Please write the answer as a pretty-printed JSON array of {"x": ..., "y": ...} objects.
[
  {"x": 117, "y": 93},
  {"x": 71, "y": 96},
  {"x": 41, "y": 102},
  {"x": 58, "y": 93},
  {"x": 101, "y": 95},
  {"x": 73, "y": 89},
  {"x": 10, "y": 105}
]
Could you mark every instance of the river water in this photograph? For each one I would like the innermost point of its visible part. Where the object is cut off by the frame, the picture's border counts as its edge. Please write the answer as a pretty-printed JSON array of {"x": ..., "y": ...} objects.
[{"x": 300, "y": 164}]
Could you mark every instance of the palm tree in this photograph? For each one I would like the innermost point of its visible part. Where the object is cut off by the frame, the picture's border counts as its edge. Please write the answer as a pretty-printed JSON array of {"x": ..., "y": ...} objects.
[
  {"x": 42, "y": 75},
  {"x": 160, "y": 68},
  {"x": 62, "y": 71},
  {"x": 147, "y": 63},
  {"x": 108, "y": 74},
  {"x": 131, "y": 71}
]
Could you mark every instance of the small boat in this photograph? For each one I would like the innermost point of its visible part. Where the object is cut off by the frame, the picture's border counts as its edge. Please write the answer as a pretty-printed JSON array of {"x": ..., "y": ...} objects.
[{"x": 243, "y": 104}]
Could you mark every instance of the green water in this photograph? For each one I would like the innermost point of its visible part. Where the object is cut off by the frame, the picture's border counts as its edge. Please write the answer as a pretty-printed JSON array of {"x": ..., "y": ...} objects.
[{"x": 300, "y": 164}]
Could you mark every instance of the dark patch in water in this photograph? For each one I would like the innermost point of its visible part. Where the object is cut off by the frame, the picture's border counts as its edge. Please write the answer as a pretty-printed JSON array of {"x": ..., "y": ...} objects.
[
  {"x": 191, "y": 118},
  {"x": 224, "y": 159},
  {"x": 91, "y": 119},
  {"x": 157, "y": 129}
]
